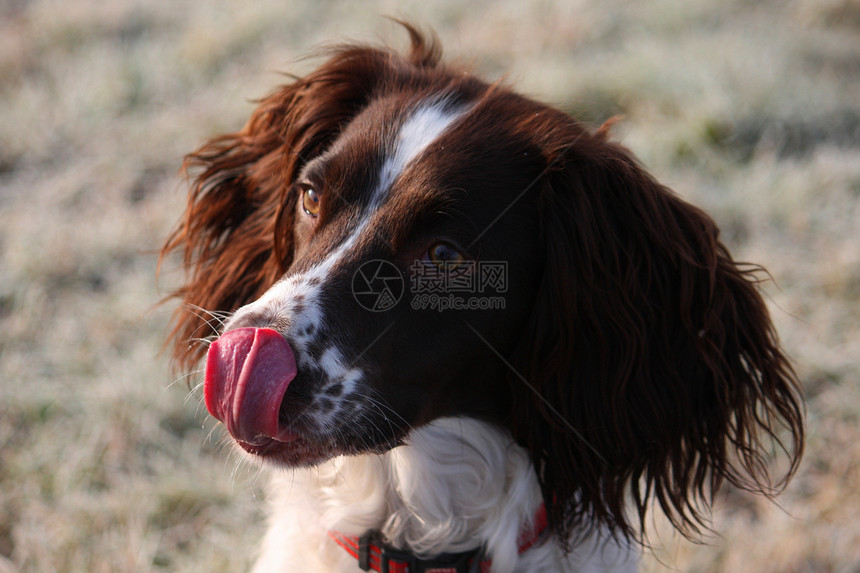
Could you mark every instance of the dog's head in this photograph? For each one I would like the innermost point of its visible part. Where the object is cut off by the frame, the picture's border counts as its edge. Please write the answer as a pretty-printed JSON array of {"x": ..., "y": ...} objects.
[{"x": 394, "y": 241}]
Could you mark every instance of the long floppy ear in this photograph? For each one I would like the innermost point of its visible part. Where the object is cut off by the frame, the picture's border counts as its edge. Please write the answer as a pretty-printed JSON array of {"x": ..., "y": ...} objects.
[
  {"x": 237, "y": 232},
  {"x": 658, "y": 370}
]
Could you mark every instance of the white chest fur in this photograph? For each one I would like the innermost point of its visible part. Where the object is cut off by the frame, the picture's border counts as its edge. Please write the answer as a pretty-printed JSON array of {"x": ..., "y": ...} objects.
[{"x": 457, "y": 484}]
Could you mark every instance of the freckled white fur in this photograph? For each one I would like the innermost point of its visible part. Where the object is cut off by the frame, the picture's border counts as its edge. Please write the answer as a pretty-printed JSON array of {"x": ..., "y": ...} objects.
[
  {"x": 337, "y": 370},
  {"x": 458, "y": 484}
]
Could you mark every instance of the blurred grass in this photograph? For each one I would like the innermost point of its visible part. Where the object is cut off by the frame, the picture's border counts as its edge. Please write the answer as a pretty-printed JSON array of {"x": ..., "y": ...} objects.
[{"x": 107, "y": 462}]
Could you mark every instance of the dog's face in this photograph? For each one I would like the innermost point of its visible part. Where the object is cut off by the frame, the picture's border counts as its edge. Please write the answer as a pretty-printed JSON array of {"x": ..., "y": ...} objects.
[
  {"x": 598, "y": 317},
  {"x": 415, "y": 201}
]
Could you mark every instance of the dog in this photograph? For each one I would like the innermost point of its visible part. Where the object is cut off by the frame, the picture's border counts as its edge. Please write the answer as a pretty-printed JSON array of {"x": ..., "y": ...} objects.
[{"x": 473, "y": 332}]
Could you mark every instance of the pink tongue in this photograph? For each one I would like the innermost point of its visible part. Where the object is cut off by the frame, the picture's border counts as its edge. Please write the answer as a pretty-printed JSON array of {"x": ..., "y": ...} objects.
[{"x": 247, "y": 374}]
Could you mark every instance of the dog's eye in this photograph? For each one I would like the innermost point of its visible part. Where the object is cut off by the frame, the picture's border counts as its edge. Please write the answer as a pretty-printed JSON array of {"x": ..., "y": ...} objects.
[
  {"x": 311, "y": 201},
  {"x": 445, "y": 256}
]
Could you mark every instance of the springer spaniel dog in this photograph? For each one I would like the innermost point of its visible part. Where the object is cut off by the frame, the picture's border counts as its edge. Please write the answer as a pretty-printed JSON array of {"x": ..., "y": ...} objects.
[{"x": 468, "y": 331}]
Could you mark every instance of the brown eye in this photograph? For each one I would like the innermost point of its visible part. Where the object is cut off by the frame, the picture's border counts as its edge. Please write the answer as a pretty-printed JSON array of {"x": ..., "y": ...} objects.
[
  {"x": 311, "y": 201},
  {"x": 445, "y": 256}
]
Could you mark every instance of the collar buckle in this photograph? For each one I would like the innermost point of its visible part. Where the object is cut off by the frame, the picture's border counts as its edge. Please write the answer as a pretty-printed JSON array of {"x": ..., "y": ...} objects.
[{"x": 375, "y": 554}]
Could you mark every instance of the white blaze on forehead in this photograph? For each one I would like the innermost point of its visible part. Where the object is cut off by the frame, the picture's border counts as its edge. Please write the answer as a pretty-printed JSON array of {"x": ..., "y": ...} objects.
[{"x": 426, "y": 124}]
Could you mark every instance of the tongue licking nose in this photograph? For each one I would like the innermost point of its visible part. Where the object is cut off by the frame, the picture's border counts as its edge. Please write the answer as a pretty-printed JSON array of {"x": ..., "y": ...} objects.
[{"x": 248, "y": 371}]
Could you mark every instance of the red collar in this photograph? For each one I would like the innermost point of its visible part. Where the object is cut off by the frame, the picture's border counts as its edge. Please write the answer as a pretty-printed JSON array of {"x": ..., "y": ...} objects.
[{"x": 374, "y": 554}]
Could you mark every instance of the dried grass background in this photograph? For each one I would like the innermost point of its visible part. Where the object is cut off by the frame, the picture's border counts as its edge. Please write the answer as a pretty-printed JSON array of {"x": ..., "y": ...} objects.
[{"x": 107, "y": 460}]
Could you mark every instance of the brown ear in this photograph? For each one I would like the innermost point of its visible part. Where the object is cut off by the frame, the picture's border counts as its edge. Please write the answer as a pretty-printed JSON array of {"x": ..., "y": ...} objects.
[
  {"x": 236, "y": 235},
  {"x": 227, "y": 234},
  {"x": 654, "y": 349}
]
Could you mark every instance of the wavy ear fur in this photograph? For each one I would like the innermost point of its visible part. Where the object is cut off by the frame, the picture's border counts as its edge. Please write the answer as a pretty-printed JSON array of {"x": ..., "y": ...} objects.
[
  {"x": 654, "y": 347},
  {"x": 237, "y": 232}
]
